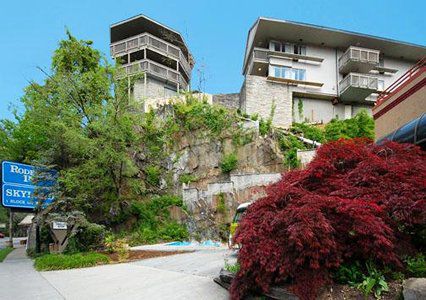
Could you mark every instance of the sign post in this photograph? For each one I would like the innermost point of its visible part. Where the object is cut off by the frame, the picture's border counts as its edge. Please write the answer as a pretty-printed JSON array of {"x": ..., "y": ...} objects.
[{"x": 10, "y": 242}]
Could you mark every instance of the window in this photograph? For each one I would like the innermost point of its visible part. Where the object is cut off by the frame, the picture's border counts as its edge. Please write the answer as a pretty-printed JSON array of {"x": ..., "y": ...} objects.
[
  {"x": 289, "y": 73},
  {"x": 298, "y": 49},
  {"x": 287, "y": 48},
  {"x": 275, "y": 46}
]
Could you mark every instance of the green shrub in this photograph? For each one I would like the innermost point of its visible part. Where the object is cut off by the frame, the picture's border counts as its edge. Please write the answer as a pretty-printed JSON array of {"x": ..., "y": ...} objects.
[
  {"x": 374, "y": 282},
  {"x": 289, "y": 145},
  {"x": 154, "y": 222},
  {"x": 153, "y": 175},
  {"x": 233, "y": 268},
  {"x": 416, "y": 266},
  {"x": 309, "y": 131},
  {"x": 50, "y": 262},
  {"x": 362, "y": 125},
  {"x": 221, "y": 205},
  {"x": 229, "y": 163},
  {"x": 187, "y": 178},
  {"x": 349, "y": 274},
  {"x": 4, "y": 252},
  {"x": 88, "y": 237},
  {"x": 173, "y": 232},
  {"x": 265, "y": 126}
]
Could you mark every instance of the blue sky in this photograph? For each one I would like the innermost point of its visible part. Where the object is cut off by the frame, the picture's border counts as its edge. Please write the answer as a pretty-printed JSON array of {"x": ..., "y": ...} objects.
[{"x": 215, "y": 31}]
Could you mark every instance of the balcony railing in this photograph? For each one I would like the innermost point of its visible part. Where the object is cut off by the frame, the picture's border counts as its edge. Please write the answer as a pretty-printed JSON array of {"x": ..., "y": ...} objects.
[
  {"x": 156, "y": 69},
  {"x": 357, "y": 87},
  {"x": 147, "y": 40},
  {"x": 359, "y": 81},
  {"x": 363, "y": 58}
]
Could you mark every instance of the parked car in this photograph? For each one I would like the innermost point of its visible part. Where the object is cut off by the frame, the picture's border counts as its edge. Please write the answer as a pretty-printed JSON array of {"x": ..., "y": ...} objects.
[
  {"x": 1, "y": 235},
  {"x": 239, "y": 213}
]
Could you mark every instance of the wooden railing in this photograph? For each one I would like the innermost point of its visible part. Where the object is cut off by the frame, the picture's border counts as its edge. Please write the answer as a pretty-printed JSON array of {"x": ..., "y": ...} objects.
[
  {"x": 147, "y": 40},
  {"x": 154, "y": 68}
]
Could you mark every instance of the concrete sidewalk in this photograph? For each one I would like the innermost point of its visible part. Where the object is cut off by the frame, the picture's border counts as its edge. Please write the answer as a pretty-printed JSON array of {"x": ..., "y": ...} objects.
[
  {"x": 19, "y": 279},
  {"x": 182, "y": 276},
  {"x": 132, "y": 281}
]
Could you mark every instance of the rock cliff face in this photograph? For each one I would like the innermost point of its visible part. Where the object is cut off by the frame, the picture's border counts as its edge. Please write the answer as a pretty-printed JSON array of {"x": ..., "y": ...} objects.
[
  {"x": 202, "y": 158},
  {"x": 212, "y": 197},
  {"x": 195, "y": 140}
]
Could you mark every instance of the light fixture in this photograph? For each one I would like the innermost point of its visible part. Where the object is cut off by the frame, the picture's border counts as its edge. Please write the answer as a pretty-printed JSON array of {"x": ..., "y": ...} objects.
[{"x": 260, "y": 69}]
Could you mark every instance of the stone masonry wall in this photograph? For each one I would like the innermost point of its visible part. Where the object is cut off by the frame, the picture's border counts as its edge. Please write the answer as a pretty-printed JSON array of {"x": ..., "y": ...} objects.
[
  {"x": 231, "y": 101},
  {"x": 260, "y": 95}
]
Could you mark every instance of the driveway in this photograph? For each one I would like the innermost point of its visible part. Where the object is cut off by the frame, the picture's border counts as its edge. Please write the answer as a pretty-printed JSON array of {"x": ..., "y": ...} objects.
[
  {"x": 16, "y": 241},
  {"x": 182, "y": 276}
]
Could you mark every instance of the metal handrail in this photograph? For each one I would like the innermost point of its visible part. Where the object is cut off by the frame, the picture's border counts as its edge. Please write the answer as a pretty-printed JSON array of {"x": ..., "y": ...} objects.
[
  {"x": 396, "y": 86},
  {"x": 358, "y": 80}
]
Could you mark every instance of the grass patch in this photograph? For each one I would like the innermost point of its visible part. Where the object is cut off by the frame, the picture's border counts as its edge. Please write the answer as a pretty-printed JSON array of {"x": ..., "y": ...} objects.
[
  {"x": 4, "y": 252},
  {"x": 51, "y": 262}
]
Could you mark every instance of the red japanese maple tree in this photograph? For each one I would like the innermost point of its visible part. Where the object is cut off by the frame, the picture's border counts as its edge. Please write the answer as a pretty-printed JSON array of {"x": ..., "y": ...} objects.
[{"x": 355, "y": 201}]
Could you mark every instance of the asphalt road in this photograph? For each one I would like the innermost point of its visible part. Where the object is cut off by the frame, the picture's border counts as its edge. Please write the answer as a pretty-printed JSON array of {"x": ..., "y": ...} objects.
[{"x": 182, "y": 276}]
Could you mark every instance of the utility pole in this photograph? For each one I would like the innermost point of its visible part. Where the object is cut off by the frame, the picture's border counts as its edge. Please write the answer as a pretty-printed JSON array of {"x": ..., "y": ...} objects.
[{"x": 10, "y": 228}]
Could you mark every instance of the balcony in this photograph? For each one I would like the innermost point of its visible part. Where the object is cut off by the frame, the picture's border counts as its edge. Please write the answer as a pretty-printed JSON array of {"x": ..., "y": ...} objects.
[
  {"x": 356, "y": 87},
  {"x": 357, "y": 59},
  {"x": 156, "y": 70},
  {"x": 146, "y": 40}
]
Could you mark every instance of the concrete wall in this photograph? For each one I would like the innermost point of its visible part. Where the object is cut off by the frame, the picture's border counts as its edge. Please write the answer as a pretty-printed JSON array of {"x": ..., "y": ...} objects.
[
  {"x": 231, "y": 101},
  {"x": 305, "y": 156},
  {"x": 323, "y": 111},
  {"x": 154, "y": 89},
  {"x": 410, "y": 108},
  {"x": 259, "y": 96},
  {"x": 236, "y": 185}
]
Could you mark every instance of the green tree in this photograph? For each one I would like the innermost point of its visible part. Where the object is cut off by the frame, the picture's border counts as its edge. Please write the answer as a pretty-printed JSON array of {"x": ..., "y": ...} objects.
[
  {"x": 362, "y": 125},
  {"x": 80, "y": 122}
]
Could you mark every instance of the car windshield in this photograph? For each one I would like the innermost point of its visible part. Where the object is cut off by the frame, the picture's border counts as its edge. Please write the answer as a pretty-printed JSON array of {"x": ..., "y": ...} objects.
[{"x": 240, "y": 212}]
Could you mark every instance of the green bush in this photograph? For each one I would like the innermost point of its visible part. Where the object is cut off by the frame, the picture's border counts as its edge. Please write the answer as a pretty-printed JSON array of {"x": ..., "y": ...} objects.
[
  {"x": 362, "y": 125},
  {"x": 153, "y": 175},
  {"x": 349, "y": 274},
  {"x": 154, "y": 222},
  {"x": 173, "y": 232},
  {"x": 88, "y": 237},
  {"x": 229, "y": 163},
  {"x": 187, "y": 178},
  {"x": 309, "y": 131},
  {"x": 233, "y": 268},
  {"x": 221, "y": 205},
  {"x": 289, "y": 145},
  {"x": 265, "y": 126},
  {"x": 416, "y": 266},
  {"x": 374, "y": 282},
  {"x": 50, "y": 262}
]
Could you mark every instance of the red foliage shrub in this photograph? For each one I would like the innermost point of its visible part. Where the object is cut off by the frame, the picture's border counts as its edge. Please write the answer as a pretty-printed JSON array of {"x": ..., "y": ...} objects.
[{"x": 351, "y": 203}]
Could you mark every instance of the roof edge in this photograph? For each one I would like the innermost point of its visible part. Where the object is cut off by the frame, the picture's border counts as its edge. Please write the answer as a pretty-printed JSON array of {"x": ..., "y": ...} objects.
[{"x": 354, "y": 33}]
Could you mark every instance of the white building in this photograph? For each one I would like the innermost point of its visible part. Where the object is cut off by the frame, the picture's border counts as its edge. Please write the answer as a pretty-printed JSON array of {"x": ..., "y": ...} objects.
[{"x": 313, "y": 73}]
